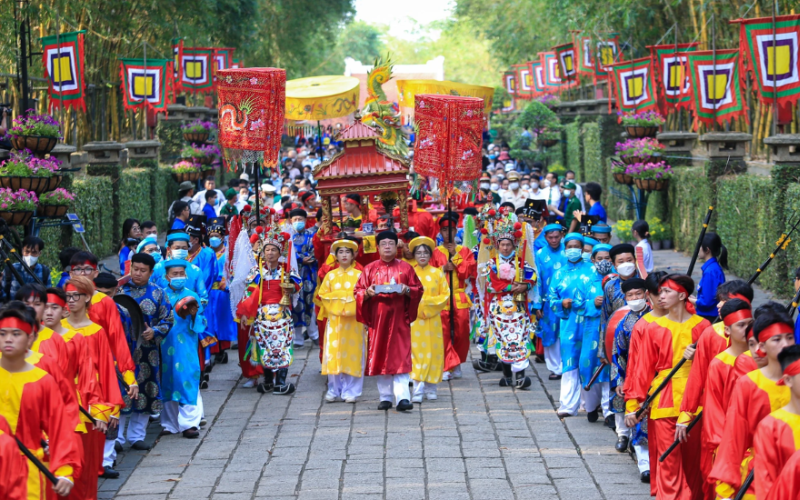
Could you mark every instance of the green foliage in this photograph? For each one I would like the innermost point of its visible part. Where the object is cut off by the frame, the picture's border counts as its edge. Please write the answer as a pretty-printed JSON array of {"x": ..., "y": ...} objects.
[
  {"x": 690, "y": 195},
  {"x": 624, "y": 230},
  {"x": 166, "y": 191},
  {"x": 538, "y": 118},
  {"x": 171, "y": 137},
  {"x": 574, "y": 150},
  {"x": 593, "y": 161},
  {"x": 94, "y": 205},
  {"x": 134, "y": 195},
  {"x": 658, "y": 231},
  {"x": 557, "y": 168}
]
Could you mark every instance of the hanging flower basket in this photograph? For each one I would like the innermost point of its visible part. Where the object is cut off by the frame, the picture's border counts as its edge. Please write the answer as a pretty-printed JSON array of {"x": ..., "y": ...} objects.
[
  {"x": 651, "y": 184},
  {"x": 549, "y": 142},
  {"x": 55, "y": 181},
  {"x": 639, "y": 132},
  {"x": 630, "y": 160},
  {"x": 38, "y": 185},
  {"x": 52, "y": 211},
  {"x": 37, "y": 144},
  {"x": 16, "y": 217},
  {"x": 623, "y": 179},
  {"x": 186, "y": 176},
  {"x": 196, "y": 137}
]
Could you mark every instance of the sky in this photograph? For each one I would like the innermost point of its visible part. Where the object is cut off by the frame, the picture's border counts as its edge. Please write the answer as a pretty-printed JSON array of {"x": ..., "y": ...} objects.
[{"x": 400, "y": 15}]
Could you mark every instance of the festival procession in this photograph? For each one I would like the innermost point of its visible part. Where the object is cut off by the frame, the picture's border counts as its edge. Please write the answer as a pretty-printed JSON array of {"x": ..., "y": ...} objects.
[{"x": 229, "y": 274}]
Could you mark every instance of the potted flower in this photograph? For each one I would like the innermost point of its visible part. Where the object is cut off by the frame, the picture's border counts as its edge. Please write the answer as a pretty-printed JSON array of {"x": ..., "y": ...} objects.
[
  {"x": 656, "y": 233},
  {"x": 651, "y": 176},
  {"x": 642, "y": 124},
  {"x": 549, "y": 100},
  {"x": 37, "y": 133},
  {"x": 204, "y": 154},
  {"x": 197, "y": 131},
  {"x": 624, "y": 230},
  {"x": 25, "y": 171},
  {"x": 638, "y": 150},
  {"x": 618, "y": 170},
  {"x": 17, "y": 206},
  {"x": 55, "y": 203},
  {"x": 185, "y": 171}
]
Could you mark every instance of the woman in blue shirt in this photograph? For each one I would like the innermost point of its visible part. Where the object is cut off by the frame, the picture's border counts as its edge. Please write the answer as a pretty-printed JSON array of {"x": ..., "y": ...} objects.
[{"x": 716, "y": 258}]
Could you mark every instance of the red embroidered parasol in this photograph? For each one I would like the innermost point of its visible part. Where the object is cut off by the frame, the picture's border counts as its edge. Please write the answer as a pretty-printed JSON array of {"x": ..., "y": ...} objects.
[
  {"x": 448, "y": 145},
  {"x": 251, "y": 108}
]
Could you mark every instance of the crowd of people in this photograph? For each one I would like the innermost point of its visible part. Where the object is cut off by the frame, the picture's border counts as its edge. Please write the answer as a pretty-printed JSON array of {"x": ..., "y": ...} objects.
[{"x": 524, "y": 269}]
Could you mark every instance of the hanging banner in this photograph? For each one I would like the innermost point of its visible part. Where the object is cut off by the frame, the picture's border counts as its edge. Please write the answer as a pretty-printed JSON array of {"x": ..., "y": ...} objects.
[
  {"x": 171, "y": 93},
  {"x": 223, "y": 59},
  {"x": 585, "y": 55},
  {"x": 509, "y": 82},
  {"x": 144, "y": 85},
  {"x": 772, "y": 59},
  {"x": 716, "y": 84},
  {"x": 552, "y": 77},
  {"x": 63, "y": 57},
  {"x": 177, "y": 50},
  {"x": 633, "y": 85},
  {"x": 523, "y": 79},
  {"x": 195, "y": 69},
  {"x": 670, "y": 70},
  {"x": 567, "y": 65},
  {"x": 608, "y": 52},
  {"x": 538, "y": 78},
  {"x": 236, "y": 64},
  {"x": 508, "y": 105}
]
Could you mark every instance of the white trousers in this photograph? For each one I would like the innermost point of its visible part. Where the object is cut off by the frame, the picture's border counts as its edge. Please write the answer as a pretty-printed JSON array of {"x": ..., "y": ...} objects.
[
  {"x": 345, "y": 386},
  {"x": 426, "y": 388},
  {"x": 552, "y": 357},
  {"x": 137, "y": 430},
  {"x": 394, "y": 387},
  {"x": 642, "y": 452},
  {"x": 177, "y": 417},
  {"x": 597, "y": 395},
  {"x": 570, "y": 392}
]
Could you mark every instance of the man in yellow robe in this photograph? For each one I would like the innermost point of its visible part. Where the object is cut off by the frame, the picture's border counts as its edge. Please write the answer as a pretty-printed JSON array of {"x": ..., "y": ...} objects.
[{"x": 343, "y": 358}]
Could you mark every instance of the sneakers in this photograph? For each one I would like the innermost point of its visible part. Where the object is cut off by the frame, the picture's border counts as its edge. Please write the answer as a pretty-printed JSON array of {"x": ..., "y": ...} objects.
[
  {"x": 431, "y": 396},
  {"x": 447, "y": 376},
  {"x": 351, "y": 400},
  {"x": 251, "y": 382},
  {"x": 456, "y": 373},
  {"x": 330, "y": 398},
  {"x": 417, "y": 398}
]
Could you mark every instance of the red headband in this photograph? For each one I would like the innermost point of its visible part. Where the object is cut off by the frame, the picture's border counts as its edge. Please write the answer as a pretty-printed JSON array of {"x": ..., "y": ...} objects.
[
  {"x": 87, "y": 263},
  {"x": 774, "y": 329},
  {"x": 791, "y": 370},
  {"x": 738, "y": 296},
  {"x": 737, "y": 316},
  {"x": 55, "y": 299},
  {"x": 71, "y": 288},
  {"x": 672, "y": 285},
  {"x": 12, "y": 322}
]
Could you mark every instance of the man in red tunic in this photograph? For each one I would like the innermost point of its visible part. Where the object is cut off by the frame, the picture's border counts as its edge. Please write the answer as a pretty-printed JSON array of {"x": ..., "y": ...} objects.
[
  {"x": 388, "y": 317},
  {"x": 460, "y": 262}
]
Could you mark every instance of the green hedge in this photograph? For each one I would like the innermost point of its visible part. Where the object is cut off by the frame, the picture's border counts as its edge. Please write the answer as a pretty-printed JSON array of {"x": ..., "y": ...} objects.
[
  {"x": 171, "y": 137},
  {"x": 574, "y": 150},
  {"x": 689, "y": 197},
  {"x": 592, "y": 154},
  {"x": 791, "y": 212},
  {"x": 93, "y": 204},
  {"x": 134, "y": 195}
]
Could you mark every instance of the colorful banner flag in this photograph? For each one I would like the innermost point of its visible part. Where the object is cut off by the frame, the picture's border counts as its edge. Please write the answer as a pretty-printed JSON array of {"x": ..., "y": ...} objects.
[
  {"x": 195, "y": 70},
  {"x": 775, "y": 68},
  {"x": 670, "y": 70},
  {"x": 716, "y": 84},
  {"x": 552, "y": 77},
  {"x": 537, "y": 80},
  {"x": 508, "y": 105},
  {"x": 509, "y": 82},
  {"x": 608, "y": 52},
  {"x": 523, "y": 80},
  {"x": 633, "y": 85},
  {"x": 567, "y": 61},
  {"x": 62, "y": 57},
  {"x": 144, "y": 83},
  {"x": 223, "y": 59},
  {"x": 585, "y": 55},
  {"x": 236, "y": 64},
  {"x": 171, "y": 92},
  {"x": 177, "y": 50}
]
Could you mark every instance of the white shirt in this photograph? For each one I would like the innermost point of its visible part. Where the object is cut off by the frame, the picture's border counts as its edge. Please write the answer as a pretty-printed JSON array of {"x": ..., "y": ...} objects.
[
  {"x": 517, "y": 199},
  {"x": 199, "y": 201},
  {"x": 647, "y": 255},
  {"x": 552, "y": 195}
]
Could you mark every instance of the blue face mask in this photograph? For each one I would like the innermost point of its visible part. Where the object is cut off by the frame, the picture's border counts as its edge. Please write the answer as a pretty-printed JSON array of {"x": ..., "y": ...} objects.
[
  {"x": 299, "y": 226},
  {"x": 603, "y": 267},
  {"x": 177, "y": 283},
  {"x": 180, "y": 254},
  {"x": 156, "y": 256},
  {"x": 214, "y": 241},
  {"x": 573, "y": 254},
  {"x": 586, "y": 256}
]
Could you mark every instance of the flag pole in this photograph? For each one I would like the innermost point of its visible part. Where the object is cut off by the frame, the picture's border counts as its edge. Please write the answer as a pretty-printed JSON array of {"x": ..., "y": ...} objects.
[{"x": 774, "y": 69}]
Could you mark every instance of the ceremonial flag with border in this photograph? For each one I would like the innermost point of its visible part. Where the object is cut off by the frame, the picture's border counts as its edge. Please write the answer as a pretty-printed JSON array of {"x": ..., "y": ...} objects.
[
  {"x": 509, "y": 82},
  {"x": 171, "y": 93},
  {"x": 552, "y": 77},
  {"x": 633, "y": 85},
  {"x": 508, "y": 105},
  {"x": 537, "y": 78},
  {"x": 773, "y": 76},
  {"x": 223, "y": 59},
  {"x": 585, "y": 55},
  {"x": 236, "y": 64},
  {"x": 608, "y": 53},
  {"x": 670, "y": 69},
  {"x": 144, "y": 85},
  {"x": 567, "y": 61},
  {"x": 177, "y": 50},
  {"x": 195, "y": 69},
  {"x": 523, "y": 79},
  {"x": 716, "y": 86},
  {"x": 63, "y": 59}
]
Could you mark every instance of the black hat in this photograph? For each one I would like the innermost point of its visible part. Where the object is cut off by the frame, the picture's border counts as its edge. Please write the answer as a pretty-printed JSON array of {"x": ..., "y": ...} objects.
[
  {"x": 298, "y": 212},
  {"x": 509, "y": 205},
  {"x": 106, "y": 280},
  {"x": 633, "y": 284},
  {"x": 620, "y": 249},
  {"x": 216, "y": 224},
  {"x": 196, "y": 225},
  {"x": 386, "y": 235}
]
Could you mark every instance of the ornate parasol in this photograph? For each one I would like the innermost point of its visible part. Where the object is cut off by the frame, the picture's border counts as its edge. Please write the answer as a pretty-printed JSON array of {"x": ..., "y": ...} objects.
[{"x": 408, "y": 89}]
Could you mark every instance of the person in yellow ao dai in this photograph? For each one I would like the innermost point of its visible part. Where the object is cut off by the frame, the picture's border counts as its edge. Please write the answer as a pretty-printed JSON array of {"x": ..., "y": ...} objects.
[
  {"x": 343, "y": 359},
  {"x": 427, "y": 347}
]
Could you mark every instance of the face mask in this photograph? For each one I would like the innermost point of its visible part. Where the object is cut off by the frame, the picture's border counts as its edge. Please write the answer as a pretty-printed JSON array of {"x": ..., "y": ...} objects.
[
  {"x": 535, "y": 185},
  {"x": 30, "y": 260},
  {"x": 586, "y": 256},
  {"x": 546, "y": 183},
  {"x": 573, "y": 254},
  {"x": 492, "y": 157},
  {"x": 626, "y": 269},
  {"x": 525, "y": 186},
  {"x": 299, "y": 226},
  {"x": 180, "y": 254},
  {"x": 177, "y": 283},
  {"x": 214, "y": 241},
  {"x": 495, "y": 186},
  {"x": 485, "y": 185},
  {"x": 156, "y": 256},
  {"x": 567, "y": 192},
  {"x": 637, "y": 304},
  {"x": 603, "y": 267},
  {"x": 513, "y": 186}
]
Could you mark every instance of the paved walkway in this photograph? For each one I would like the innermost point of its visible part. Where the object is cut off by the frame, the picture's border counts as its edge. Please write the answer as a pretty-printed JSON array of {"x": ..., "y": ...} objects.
[{"x": 477, "y": 441}]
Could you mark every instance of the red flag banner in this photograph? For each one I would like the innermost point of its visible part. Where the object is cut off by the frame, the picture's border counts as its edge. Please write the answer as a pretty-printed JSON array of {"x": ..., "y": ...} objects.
[
  {"x": 537, "y": 80},
  {"x": 633, "y": 85},
  {"x": 523, "y": 79},
  {"x": 717, "y": 86},
  {"x": 63, "y": 58},
  {"x": 670, "y": 70},
  {"x": 772, "y": 57}
]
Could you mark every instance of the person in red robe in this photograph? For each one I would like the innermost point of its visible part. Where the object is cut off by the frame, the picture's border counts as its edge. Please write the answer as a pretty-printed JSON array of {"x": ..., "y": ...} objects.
[
  {"x": 663, "y": 346},
  {"x": 46, "y": 341},
  {"x": 419, "y": 220},
  {"x": 13, "y": 468},
  {"x": 458, "y": 261},
  {"x": 32, "y": 405},
  {"x": 388, "y": 317},
  {"x": 777, "y": 435},
  {"x": 755, "y": 395},
  {"x": 788, "y": 488}
]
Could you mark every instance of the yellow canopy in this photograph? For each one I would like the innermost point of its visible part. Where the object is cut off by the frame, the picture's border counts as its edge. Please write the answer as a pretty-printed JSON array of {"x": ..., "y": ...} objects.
[
  {"x": 321, "y": 97},
  {"x": 407, "y": 89}
]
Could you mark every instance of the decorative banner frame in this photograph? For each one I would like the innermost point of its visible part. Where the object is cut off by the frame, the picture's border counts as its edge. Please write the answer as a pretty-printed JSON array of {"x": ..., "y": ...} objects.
[
  {"x": 585, "y": 54},
  {"x": 177, "y": 75},
  {"x": 607, "y": 52},
  {"x": 523, "y": 79},
  {"x": 195, "y": 72},
  {"x": 552, "y": 78},
  {"x": 567, "y": 61},
  {"x": 670, "y": 68},
  {"x": 717, "y": 85},
  {"x": 63, "y": 60},
  {"x": 537, "y": 79},
  {"x": 144, "y": 86},
  {"x": 634, "y": 85},
  {"x": 509, "y": 82},
  {"x": 756, "y": 39}
]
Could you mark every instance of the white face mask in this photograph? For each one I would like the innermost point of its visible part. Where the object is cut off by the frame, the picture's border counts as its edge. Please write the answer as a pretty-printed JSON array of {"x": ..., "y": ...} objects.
[
  {"x": 30, "y": 260},
  {"x": 485, "y": 185},
  {"x": 637, "y": 304},
  {"x": 546, "y": 183},
  {"x": 513, "y": 186},
  {"x": 495, "y": 186},
  {"x": 626, "y": 269},
  {"x": 526, "y": 186},
  {"x": 535, "y": 185}
]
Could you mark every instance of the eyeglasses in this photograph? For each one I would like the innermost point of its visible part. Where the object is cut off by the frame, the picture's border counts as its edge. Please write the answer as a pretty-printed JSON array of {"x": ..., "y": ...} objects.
[
  {"x": 82, "y": 270},
  {"x": 74, "y": 297}
]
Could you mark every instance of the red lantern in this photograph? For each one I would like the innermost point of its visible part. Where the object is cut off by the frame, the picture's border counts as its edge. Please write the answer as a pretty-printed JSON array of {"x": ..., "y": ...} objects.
[
  {"x": 449, "y": 138},
  {"x": 251, "y": 106}
]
